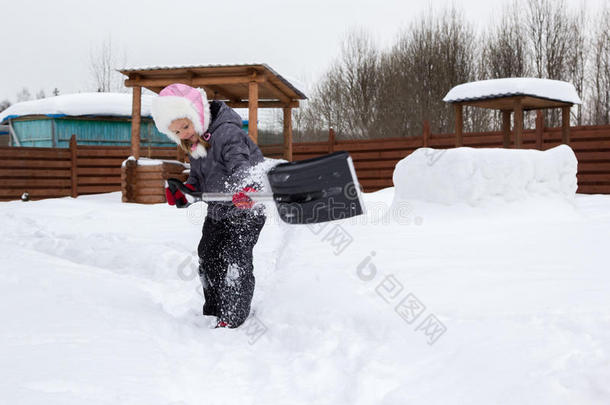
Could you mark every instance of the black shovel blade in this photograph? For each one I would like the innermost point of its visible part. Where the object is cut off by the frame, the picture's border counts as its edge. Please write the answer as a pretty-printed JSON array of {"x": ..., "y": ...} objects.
[{"x": 316, "y": 190}]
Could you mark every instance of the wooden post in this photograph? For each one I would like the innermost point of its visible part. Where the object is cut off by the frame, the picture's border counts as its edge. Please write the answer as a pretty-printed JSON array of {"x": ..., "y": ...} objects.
[
  {"x": 53, "y": 134},
  {"x": 565, "y": 125},
  {"x": 539, "y": 129},
  {"x": 253, "y": 111},
  {"x": 518, "y": 125},
  {"x": 74, "y": 166},
  {"x": 135, "y": 121},
  {"x": 288, "y": 134},
  {"x": 459, "y": 125},
  {"x": 130, "y": 180},
  {"x": 11, "y": 130},
  {"x": 331, "y": 140},
  {"x": 426, "y": 133},
  {"x": 506, "y": 129}
]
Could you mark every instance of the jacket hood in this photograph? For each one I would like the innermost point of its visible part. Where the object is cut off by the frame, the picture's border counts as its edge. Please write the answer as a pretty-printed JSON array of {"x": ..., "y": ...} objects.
[{"x": 222, "y": 114}]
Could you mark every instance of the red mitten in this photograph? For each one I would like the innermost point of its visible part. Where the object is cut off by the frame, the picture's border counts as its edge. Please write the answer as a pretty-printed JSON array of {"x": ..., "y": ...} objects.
[
  {"x": 178, "y": 195},
  {"x": 241, "y": 200}
]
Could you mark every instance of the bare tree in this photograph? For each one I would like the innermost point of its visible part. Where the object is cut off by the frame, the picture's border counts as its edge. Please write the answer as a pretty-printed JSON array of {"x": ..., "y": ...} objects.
[
  {"x": 346, "y": 98},
  {"x": 433, "y": 55},
  {"x": 576, "y": 63},
  {"x": 24, "y": 95},
  {"x": 505, "y": 49},
  {"x": 372, "y": 93},
  {"x": 103, "y": 62},
  {"x": 4, "y": 105},
  {"x": 599, "y": 80},
  {"x": 358, "y": 72},
  {"x": 504, "y": 53},
  {"x": 558, "y": 45}
]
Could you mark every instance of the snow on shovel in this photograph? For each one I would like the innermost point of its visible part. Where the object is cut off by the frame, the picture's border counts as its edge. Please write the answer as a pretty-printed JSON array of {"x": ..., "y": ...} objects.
[{"x": 308, "y": 191}]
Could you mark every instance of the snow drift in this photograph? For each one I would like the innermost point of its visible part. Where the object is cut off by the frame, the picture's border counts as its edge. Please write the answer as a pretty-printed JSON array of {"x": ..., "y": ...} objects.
[
  {"x": 472, "y": 175},
  {"x": 100, "y": 303}
]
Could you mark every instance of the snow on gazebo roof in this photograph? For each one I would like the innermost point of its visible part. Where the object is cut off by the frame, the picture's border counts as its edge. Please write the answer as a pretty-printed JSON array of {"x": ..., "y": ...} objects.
[
  {"x": 555, "y": 90},
  {"x": 81, "y": 104}
]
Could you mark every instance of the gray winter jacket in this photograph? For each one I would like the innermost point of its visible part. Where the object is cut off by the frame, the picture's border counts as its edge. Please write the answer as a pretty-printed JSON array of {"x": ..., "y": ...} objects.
[{"x": 231, "y": 154}]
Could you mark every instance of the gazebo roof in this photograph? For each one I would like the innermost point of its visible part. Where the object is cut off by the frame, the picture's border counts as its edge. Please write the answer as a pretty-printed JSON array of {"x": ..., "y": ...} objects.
[
  {"x": 229, "y": 83},
  {"x": 501, "y": 93}
]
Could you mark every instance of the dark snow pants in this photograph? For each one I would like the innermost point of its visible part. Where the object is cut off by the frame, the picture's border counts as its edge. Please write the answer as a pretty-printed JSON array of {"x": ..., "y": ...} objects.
[{"x": 225, "y": 264}]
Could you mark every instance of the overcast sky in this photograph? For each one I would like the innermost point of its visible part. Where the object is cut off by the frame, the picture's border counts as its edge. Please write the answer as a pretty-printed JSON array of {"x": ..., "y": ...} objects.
[{"x": 47, "y": 44}]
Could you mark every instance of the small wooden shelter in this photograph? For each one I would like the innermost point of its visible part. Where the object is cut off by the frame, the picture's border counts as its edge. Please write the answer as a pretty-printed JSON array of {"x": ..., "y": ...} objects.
[
  {"x": 514, "y": 95},
  {"x": 240, "y": 86}
]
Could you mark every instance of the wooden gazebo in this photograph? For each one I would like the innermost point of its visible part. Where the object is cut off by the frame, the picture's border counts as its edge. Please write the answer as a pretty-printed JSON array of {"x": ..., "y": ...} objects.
[
  {"x": 514, "y": 95},
  {"x": 240, "y": 86}
]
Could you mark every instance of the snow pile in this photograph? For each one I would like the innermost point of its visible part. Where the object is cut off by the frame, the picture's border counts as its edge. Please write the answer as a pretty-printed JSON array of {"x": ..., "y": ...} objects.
[
  {"x": 514, "y": 86},
  {"x": 155, "y": 162},
  {"x": 103, "y": 104},
  {"x": 474, "y": 175}
]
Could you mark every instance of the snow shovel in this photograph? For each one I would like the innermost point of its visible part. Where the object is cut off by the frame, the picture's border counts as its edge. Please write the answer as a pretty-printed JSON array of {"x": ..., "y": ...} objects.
[{"x": 308, "y": 191}]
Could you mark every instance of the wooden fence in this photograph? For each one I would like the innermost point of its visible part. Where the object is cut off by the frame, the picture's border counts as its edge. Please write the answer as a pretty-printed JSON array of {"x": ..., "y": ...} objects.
[
  {"x": 375, "y": 159},
  {"x": 54, "y": 172},
  {"x": 47, "y": 172}
]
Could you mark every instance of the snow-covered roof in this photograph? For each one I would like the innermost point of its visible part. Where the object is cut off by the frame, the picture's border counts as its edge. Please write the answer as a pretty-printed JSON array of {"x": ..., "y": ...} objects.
[
  {"x": 294, "y": 84},
  {"x": 97, "y": 104},
  {"x": 515, "y": 86}
]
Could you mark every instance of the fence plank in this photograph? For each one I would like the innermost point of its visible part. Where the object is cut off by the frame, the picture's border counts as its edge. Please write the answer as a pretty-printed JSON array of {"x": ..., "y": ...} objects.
[
  {"x": 389, "y": 154},
  {"x": 374, "y": 174},
  {"x": 593, "y": 178},
  {"x": 273, "y": 149},
  {"x": 376, "y": 183},
  {"x": 99, "y": 162},
  {"x": 376, "y": 164},
  {"x": 589, "y": 145},
  {"x": 407, "y": 143},
  {"x": 35, "y": 183},
  {"x": 588, "y": 156},
  {"x": 43, "y": 164},
  {"x": 34, "y": 192},
  {"x": 93, "y": 180},
  {"x": 101, "y": 171},
  {"x": 301, "y": 149},
  {"x": 98, "y": 189},
  {"x": 24, "y": 153},
  {"x": 585, "y": 167},
  {"x": 303, "y": 156},
  {"x": 594, "y": 189},
  {"x": 103, "y": 153},
  {"x": 35, "y": 173}
]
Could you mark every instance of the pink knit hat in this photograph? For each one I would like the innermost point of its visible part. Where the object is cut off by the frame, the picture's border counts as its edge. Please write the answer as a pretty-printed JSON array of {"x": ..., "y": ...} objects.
[{"x": 181, "y": 101}]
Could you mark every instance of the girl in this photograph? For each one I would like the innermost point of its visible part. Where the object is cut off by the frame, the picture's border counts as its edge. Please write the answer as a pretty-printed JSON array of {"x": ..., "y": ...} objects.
[{"x": 221, "y": 154}]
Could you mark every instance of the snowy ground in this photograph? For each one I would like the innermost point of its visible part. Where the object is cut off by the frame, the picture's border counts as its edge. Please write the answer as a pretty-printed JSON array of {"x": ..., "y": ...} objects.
[{"x": 507, "y": 304}]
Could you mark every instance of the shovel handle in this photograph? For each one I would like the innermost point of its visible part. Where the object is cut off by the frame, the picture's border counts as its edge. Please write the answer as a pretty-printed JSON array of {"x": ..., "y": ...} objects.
[{"x": 176, "y": 184}]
